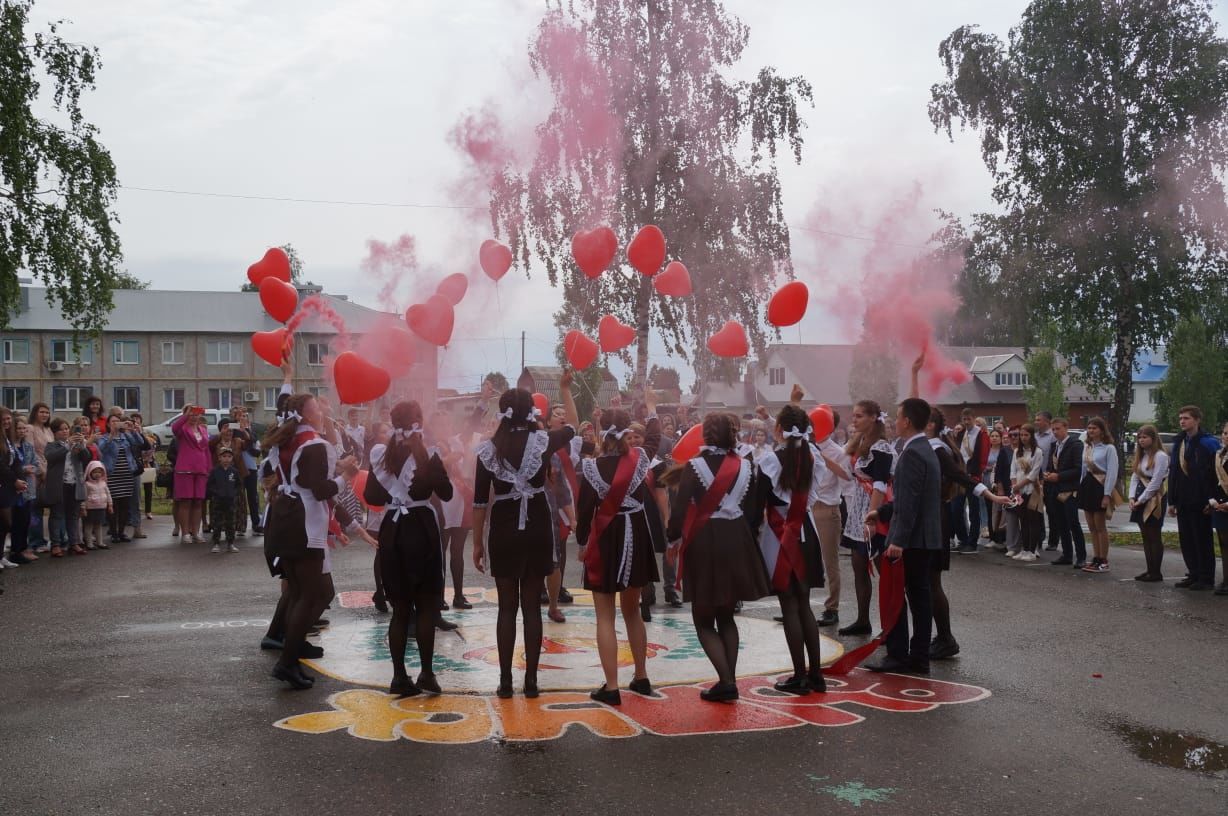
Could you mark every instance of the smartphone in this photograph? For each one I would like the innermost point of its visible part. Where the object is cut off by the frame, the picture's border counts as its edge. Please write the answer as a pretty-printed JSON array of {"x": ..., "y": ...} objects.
[{"x": 197, "y": 410}]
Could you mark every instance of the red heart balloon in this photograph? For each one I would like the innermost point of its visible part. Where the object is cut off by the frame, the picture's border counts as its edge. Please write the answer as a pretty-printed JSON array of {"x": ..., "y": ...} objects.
[
  {"x": 275, "y": 263},
  {"x": 581, "y": 350},
  {"x": 279, "y": 298},
  {"x": 647, "y": 250},
  {"x": 357, "y": 380},
  {"x": 822, "y": 422},
  {"x": 360, "y": 486},
  {"x": 542, "y": 404},
  {"x": 689, "y": 444},
  {"x": 613, "y": 334},
  {"x": 788, "y": 305},
  {"x": 730, "y": 341},
  {"x": 273, "y": 346},
  {"x": 453, "y": 288},
  {"x": 495, "y": 258},
  {"x": 594, "y": 250},
  {"x": 675, "y": 281},
  {"x": 432, "y": 321}
]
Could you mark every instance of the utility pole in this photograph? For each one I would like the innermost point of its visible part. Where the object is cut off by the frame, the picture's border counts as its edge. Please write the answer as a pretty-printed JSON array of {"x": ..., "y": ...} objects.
[{"x": 521, "y": 352}]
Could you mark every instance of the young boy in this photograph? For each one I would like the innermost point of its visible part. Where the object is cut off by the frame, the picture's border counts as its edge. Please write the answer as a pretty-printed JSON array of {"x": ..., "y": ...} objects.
[{"x": 223, "y": 488}]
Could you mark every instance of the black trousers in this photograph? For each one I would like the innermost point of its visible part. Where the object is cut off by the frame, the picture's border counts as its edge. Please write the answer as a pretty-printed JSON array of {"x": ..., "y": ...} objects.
[
  {"x": 1054, "y": 511},
  {"x": 1065, "y": 517},
  {"x": 920, "y": 605},
  {"x": 1197, "y": 547},
  {"x": 253, "y": 497}
]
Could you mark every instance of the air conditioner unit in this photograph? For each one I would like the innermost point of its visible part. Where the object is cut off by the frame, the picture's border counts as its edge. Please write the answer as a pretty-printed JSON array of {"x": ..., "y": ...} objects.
[
  {"x": 251, "y": 396},
  {"x": 55, "y": 365}
]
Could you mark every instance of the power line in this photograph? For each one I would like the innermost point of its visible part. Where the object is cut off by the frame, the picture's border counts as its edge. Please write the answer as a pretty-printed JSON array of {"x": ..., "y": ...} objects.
[{"x": 201, "y": 194}]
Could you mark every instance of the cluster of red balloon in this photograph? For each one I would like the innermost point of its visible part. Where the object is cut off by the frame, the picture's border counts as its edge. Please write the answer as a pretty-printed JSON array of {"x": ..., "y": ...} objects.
[{"x": 271, "y": 276}]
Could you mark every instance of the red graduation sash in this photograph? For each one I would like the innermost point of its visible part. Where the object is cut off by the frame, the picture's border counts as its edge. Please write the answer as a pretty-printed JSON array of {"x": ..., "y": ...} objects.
[
  {"x": 890, "y": 607},
  {"x": 698, "y": 513},
  {"x": 594, "y": 566},
  {"x": 788, "y": 530}
]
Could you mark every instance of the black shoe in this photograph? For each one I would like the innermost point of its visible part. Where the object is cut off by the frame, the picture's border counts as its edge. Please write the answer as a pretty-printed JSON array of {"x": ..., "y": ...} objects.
[
  {"x": 504, "y": 692},
  {"x": 294, "y": 676},
  {"x": 830, "y": 617},
  {"x": 645, "y": 613},
  {"x": 403, "y": 687},
  {"x": 1185, "y": 583},
  {"x": 1079, "y": 564},
  {"x": 943, "y": 649},
  {"x": 1199, "y": 586},
  {"x": 778, "y": 618},
  {"x": 607, "y": 696},
  {"x": 545, "y": 598},
  {"x": 1222, "y": 589},
  {"x": 428, "y": 683},
  {"x": 443, "y": 605},
  {"x": 445, "y": 625},
  {"x": 888, "y": 664},
  {"x": 207, "y": 529},
  {"x": 320, "y": 624},
  {"x": 966, "y": 548},
  {"x": 817, "y": 683},
  {"x": 1050, "y": 549},
  {"x": 381, "y": 605},
  {"x": 269, "y": 643},
  {"x": 310, "y": 651},
  {"x": 1148, "y": 578},
  {"x": 640, "y": 685},
  {"x": 794, "y": 685},
  {"x": 720, "y": 693},
  {"x": 737, "y": 607},
  {"x": 564, "y": 597},
  {"x": 258, "y": 531},
  {"x": 854, "y": 629},
  {"x": 1061, "y": 562},
  {"x": 674, "y": 602},
  {"x": 531, "y": 691},
  {"x": 918, "y": 667},
  {"x": 459, "y": 602}
]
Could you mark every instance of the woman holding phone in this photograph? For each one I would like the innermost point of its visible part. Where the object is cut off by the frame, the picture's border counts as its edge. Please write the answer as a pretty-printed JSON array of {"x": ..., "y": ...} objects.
[{"x": 192, "y": 465}]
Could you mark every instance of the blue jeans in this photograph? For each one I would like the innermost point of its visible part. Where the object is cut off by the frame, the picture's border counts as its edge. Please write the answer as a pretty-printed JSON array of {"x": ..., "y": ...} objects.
[
  {"x": 134, "y": 507},
  {"x": 967, "y": 530},
  {"x": 35, "y": 536}
]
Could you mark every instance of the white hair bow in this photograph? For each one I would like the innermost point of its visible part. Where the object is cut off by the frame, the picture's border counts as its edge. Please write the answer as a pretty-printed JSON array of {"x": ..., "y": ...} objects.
[
  {"x": 882, "y": 417},
  {"x": 401, "y": 433},
  {"x": 614, "y": 432},
  {"x": 506, "y": 413},
  {"x": 289, "y": 415},
  {"x": 793, "y": 433}
]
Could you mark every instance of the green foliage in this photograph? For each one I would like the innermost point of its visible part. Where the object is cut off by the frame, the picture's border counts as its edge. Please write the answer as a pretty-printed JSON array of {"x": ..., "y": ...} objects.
[
  {"x": 1105, "y": 127},
  {"x": 1197, "y": 375},
  {"x": 1046, "y": 388},
  {"x": 126, "y": 280},
  {"x": 497, "y": 381},
  {"x": 57, "y": 182},
  {"x": 690, "y": 149},
  {"x": 662, "y": 377},
  {"x": 875, "y": 375}
]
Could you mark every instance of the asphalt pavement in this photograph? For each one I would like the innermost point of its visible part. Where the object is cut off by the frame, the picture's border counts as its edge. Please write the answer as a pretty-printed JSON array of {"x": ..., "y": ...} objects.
[{"x": 133, "y": 684}]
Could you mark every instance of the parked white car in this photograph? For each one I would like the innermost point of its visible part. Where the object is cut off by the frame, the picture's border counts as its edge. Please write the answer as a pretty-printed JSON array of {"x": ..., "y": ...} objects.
[{"x": 165, "y": 435}]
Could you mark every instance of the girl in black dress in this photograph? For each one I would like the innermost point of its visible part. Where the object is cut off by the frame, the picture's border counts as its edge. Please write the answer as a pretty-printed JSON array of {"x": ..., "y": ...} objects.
[
  {"x": 784, "y": 494},
  {"x": 872, "y": 461},
  {"x": 617, "y": 539},
  {"x": 711, "y": 539},
  {"x": 406, "y": 475},
  {"x": 509, "y": 487}
]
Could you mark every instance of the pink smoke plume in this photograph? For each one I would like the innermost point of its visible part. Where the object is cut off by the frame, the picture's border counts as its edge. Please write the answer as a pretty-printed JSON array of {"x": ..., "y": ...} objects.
[
  {"x": 317, "y": 308},
  {"x": 390, "y": 264}
]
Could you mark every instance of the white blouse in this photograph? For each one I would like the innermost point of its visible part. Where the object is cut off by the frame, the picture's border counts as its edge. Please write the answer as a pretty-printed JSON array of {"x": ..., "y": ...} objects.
[{"x": 1154, "y": 469}]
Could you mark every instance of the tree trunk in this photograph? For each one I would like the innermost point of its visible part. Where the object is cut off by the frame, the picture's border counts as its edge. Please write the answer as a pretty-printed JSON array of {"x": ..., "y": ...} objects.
[
  {"x": 1123, "y": 389},
  {"x": 643, "y": 300},
  {"x": 643, "y": 303}
]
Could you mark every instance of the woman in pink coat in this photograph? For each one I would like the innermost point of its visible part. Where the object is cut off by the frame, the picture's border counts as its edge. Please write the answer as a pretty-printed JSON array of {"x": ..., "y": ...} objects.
[{"x": 192, "y": 465}]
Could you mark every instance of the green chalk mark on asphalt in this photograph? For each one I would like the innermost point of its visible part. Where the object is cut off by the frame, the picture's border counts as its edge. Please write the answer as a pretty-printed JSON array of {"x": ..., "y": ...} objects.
[{"x": 854, "y": 793}]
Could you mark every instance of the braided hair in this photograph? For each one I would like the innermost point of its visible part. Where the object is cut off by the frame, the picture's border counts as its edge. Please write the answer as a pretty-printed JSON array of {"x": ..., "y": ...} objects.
[{"x": 796, "y": 460}]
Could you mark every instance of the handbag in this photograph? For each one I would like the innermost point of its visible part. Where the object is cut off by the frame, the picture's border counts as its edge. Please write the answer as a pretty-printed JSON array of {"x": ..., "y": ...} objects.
[{"x": 164, "y": 477}]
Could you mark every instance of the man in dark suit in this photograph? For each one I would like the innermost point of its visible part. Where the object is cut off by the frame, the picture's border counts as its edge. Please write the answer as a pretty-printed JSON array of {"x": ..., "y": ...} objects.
[
  {"x": 914, "y": 537},
  {"x": 1062, "y": 472}
]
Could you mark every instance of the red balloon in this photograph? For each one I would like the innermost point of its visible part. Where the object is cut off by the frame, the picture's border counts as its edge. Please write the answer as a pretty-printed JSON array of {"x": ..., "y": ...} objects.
[
  {"x": 675, "y": 281},
  {"x": 360, "y": 486},
  {"x": 581, "y": 350},
  {"x": 357, "y": 380},
  {"x": 594, "y": 250},
  {"x": 432, "y": 321},
  {"x": 730, "y": 341},
  {"x": 279, "y": 298},
  {"x": 689, "y": 444},
  {"x": 542, "y": 404},
  {"x": 822, "y": 422},
  {"x": 613, "y": 334},
  {"x": 275, "y": 263},
  {"x": 273, "y": 346},
  {"x": 788, "y": 305},
  {"x": 647, "y": 250},
  {"x": 453, "y": 288},
  {"x": 495, "y": 258}
]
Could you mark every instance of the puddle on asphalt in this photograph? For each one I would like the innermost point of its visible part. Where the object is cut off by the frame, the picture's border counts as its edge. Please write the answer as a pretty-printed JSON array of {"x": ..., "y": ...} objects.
[{"x": 1173, "y": 749}]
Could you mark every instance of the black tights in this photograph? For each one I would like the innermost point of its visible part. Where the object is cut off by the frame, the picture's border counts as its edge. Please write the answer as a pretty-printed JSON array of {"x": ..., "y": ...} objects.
[
  {"x": 379, "y": 580},
  {"x": 863, "y": 586},
  {"x": 1153, "y": 544},
  {"x": 801, "y": 629},
  {"x": 423, "y": 608},
  {"x": 718, "y": 634},
  {"x": 1222, "y": 535},
  {"x": 119, "y": 518},
  {"x": 941, "y": 606},
  {"x": 307, "y": 590},
  {"x": 454, "y": 539},
  {"x": 519, "y": 595}
]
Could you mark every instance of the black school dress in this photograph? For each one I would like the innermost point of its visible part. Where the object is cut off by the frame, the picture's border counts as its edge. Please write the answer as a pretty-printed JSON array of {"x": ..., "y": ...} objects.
[
  {"x": 410, "y": 546},
  {"x": 722, "y": 564},
  {"x": 520, "y": 543},
  {"x": 767, "y": 493},
  {"x": 626, "y": 544}
]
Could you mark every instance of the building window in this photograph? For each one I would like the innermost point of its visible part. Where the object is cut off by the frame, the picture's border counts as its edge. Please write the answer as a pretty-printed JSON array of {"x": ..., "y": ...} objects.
[
  {"x": 223, "y": 352},
  {"x": 127, "y": 352},
  {"x": 317, "y": 391},
  {"x": 16, "y": 398},
  {"x": 222, "y": 399},
  {"x": 316, "y": 352},
  {"x": 1153, "y": 396},
  {"x": 127, "y": 397},
  {"x": 16, "y": 351},
  {"x": 172, "y": 352},
  {"x": 172, "y": 399},
  {"x": 270, "y": 398},
  {"x": 776, "y": 376},
  {"x": 1010, "y": 378},
  {"x": 62, "y": 352},
  {"x": 69, "y": 398}
]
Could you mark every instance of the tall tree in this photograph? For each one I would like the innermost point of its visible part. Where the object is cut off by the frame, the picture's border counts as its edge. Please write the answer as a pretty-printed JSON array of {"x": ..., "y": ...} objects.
[
  {"x": 875, "y": 375},
  {"x": 57, "y": 181},
  {"x": 647, "y": 128},
  {"x": 1105, "y": 126},
  {"x": 497, "y": 381},
  {"x": 1046, "y": 387},
  {"x": 1197, "y": 371}
]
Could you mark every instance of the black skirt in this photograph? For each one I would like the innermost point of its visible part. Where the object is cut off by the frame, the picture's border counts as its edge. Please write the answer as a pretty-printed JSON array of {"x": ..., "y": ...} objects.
[
  {"x": 1091, "y": 495},
  {"x": 723, "y": 565},
  {"x": 411, "y": 554},
  {"x": 611, "y": 546},
  {"x": 516, "y": 553}
]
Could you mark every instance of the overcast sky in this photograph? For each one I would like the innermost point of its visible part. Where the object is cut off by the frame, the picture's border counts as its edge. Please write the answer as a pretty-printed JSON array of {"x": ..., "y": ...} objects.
[{"x": 352, "y": 101}]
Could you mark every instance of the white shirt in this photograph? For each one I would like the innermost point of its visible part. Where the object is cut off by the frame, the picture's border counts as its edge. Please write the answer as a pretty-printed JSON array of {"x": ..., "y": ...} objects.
[{"x": 831, "y": 487}]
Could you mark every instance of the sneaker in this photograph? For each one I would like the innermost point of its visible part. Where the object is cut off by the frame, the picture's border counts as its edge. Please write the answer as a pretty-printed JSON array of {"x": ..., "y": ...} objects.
[
  {"x": 139, "y": 533},
  {"x": 1103, "y": 566},
  {"x": 149, "y": 516},
  {"x": 1012, "y": 553},
  {"x": 1026, "y": 556},
  {"x": 232, "y": 548},
  {"x": 217, "y": 548},
  {"x": 42, "y": 548},
  {"x": 966, "y": 548},
  {"x": 7, "y": 564}
]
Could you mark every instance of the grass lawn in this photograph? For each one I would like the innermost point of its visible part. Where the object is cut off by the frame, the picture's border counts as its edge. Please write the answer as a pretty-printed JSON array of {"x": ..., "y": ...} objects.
[{"x": 1135, "y": 539}]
